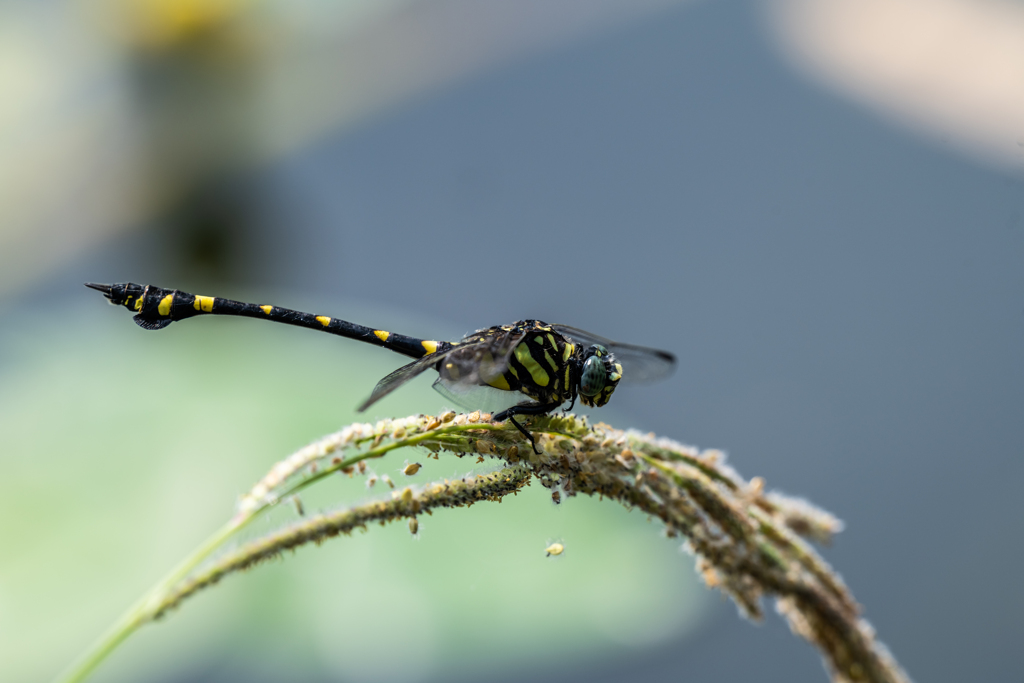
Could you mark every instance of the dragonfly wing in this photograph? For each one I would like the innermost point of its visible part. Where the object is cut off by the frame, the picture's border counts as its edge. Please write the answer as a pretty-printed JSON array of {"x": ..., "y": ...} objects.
[
  {"x": 403, "y": 375},
  {"x": 480, "y": 358},
  {"x": 466, "y": 365},
  {"x": 487, "y": 399},
  {"x": 639, "y": 363}
]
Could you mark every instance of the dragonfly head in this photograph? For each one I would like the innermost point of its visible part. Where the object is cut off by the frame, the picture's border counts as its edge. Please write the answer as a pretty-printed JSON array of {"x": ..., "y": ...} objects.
[{"x": 599, "y": 375}]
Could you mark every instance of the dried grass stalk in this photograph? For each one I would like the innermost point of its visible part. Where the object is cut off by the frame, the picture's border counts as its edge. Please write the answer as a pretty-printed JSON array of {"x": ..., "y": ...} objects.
[{"x": 749, "y": 543}]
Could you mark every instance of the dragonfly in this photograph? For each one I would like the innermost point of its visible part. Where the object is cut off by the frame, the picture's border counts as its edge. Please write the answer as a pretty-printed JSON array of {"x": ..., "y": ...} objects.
[{"x": 525, "y": 368}]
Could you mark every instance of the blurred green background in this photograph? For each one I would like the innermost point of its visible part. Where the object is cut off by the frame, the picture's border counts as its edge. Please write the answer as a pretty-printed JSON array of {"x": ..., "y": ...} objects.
[{"x": 826, "y": 226}]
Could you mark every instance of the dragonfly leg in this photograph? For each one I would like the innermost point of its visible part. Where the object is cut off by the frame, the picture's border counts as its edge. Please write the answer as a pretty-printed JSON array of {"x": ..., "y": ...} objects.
[
  {"x": 573, "y": 386},
  {"x": 527, "y": 434},
  {"x": 526, "y": 409}
]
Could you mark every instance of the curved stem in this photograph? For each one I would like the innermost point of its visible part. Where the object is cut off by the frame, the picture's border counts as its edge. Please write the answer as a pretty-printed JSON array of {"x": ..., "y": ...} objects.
[
  {"x": 749, "y": 543},
  {"x": 141, "y": 612},
  {"x": 145, "y": 608}
]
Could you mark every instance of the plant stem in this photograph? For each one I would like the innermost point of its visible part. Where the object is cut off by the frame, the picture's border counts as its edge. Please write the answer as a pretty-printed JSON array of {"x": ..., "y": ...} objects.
[
  {"x": 139, "y": 613},
  {"x": 749, "y": 543}
]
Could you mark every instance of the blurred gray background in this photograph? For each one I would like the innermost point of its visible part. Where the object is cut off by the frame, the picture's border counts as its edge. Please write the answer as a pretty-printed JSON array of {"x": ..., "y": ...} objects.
[{"x": 843, "y": 286}]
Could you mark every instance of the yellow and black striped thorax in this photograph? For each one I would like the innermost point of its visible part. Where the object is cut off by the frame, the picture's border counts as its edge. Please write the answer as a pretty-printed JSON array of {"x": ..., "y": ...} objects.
[{"x": 532, "y": 357}]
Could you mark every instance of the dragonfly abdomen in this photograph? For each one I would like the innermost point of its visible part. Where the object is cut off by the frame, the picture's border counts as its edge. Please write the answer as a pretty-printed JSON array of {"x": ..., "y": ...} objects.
[{"x": 156, "y": 308}]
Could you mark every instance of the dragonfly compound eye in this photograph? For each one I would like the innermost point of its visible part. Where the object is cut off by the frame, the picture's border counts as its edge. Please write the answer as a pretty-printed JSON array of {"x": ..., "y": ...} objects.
[
  {"x": 594, "y": 377},
  {"x": 600, "y": 375}
]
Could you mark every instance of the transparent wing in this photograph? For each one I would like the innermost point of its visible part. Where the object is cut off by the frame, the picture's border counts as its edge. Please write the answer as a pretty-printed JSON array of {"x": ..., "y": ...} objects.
[
  {"x": 474, "y": 361},
  {"x": 479, "y": 358},
  {"x": 403, "y": 375},
  {"x": 487, "y": 399},
  {"x": 639, "y": 363}
]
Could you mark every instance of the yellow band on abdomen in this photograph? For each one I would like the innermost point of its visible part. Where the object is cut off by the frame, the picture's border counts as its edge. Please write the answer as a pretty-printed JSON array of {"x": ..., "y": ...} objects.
[
  {"x": 203, "y": 303},
  {"x": 164, "y": 307}
]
